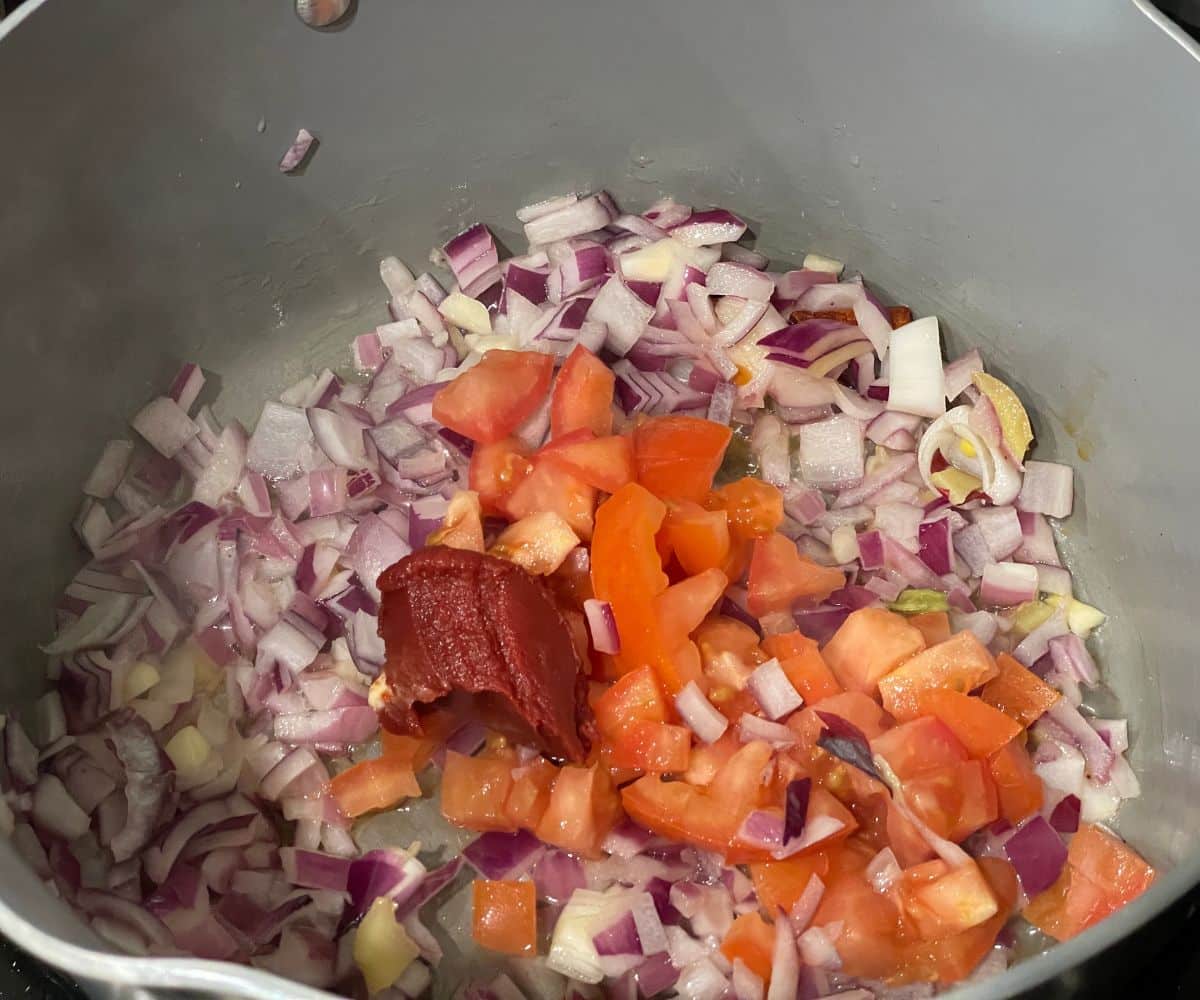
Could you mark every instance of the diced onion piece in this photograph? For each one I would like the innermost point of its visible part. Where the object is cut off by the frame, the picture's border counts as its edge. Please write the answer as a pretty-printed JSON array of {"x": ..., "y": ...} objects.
[
  {"x": 1048, "y": 488},
  {"x": 916, "y": 380},
  {"x": 699, "y": 714},
  {"x": 55, "y": 810},
  {"x": 831, "y": 452},
  {"x": 109, "y": 470},
  {"x": 188, "y": 749},
  {"x": 165, "y": 425},
  {"x": 623, "y": 312},
  {"x": 602, "y": 624},
  {"x": 573, "y": 219},
  {"x": 466, "y": 313},
  {"x": 819, "y": 262},
  {"x": 1008, "y": 584},
  {"x": 773, "y": 691},
  {"x": 726, "y": 278}
]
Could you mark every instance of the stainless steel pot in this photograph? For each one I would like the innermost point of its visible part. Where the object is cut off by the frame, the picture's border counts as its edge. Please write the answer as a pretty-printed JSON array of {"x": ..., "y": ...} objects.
[{"x": 1025, "y": 170}]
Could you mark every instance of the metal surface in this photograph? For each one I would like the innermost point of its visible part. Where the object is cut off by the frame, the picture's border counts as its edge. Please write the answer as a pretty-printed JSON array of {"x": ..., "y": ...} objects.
[{"x": 1025, "y": 170}]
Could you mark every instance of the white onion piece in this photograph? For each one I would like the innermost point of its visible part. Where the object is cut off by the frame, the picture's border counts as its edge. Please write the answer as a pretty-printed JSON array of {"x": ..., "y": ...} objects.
[
  {"x": 571, "y": 219},
  {"x": 623, "y": 312},
  {"x": 165, "y": 425},
  {"x": 699, "y": 714},
  {"x": 917, "y": 383},
  {"x": 1007, "y": 584},
  {"x": 727, "y": 278},
  {"x": 831, "y": 452},
  {"x": 1048, "y": 488},
  {"x": 1001, "y": 530},
  {"x": 109, "y": 470},
  {"x": 785, "y": 963},
  {"x": 773, "y": 691}
]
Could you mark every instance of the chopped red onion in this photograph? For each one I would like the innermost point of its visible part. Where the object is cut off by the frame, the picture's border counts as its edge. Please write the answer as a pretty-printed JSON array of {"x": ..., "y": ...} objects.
[
  {"x": 1096, "y": 753},
  {"x": 297, "y": 152},
  {"x": 916, "y": 381},
  {"x": 1048, "y": 488},
  {"x": 504, "y": 855},
  {"x": 561, "y": 220},
  {"x": 1037, "y": 853},
  {"x": 706, "y": 228},
  {"x": 558, "y": 876},
  {"x": 883, "y": 870},
  {"x": 817, "y": 950},
  {"x": 752, "y": 727},
  {"x": 472, "y": 255},
  {"x": 738, "y": 279},
  {"x": 1065, "y": 816},
  {"x": 109, "y": 470},
  {"x": 165, "y": 425},
  {"x": 699, "y": 714},
  {"x": 959, "y": 372},
  {"x": 1007, "y": 584},
  {"x": 772, "y": 690},
  {"x": 1072, "y": 658},
  {"x": 1037, "y": 644}
]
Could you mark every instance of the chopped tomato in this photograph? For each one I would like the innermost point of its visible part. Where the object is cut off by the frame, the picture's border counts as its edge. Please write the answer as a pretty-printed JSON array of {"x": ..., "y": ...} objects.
[
  {"x": 583, "y": 395},
  {"x": 728, "y": 651},
  {"x": 706, "y": 818},
  {"x": 1019, "y": 693},
  {"x": 780, "y": 576},
  {"x": 954, "y": 801},
  {"x": 925, "y": 744},
  {"x": 868, "y": 944},
  {"x": 961, "y": 663},
  {"x": 488, "y": 402},
  {"x": 530, "y": 794},
  {"x": 412, "y": 750},
  {"x": 504, "y": 916},
  {"x": 699, "y": 538},
  {"x": 1070, "y": 906},
  {"x": 627, "y": 572},
  {"x": 940, "y": 900},
  {"x": 637, "y": 696},
  {"x": 682, "y": 607},
  {"x": 551, "y": 488},
  {"x": 740, "y": 554},
  {"x": 954, "y": 957},
  {"x": 853, "y": 706},
  {"x": 583, "y": 808},
  {"x": 906, "y": 841},
  {"x": 780, "y": 884},
  {"x": 801, "y": 659},
  {"x": 980, "y": 728},
  {"x": 603, "y": 462},
  {"x": 677, "y": 457},
  {"x": 1019, "y": 790},
  {"x": 495, "y": 471},
  {"x": 752, "y": 940},
  {"x": 754, "y": 508},
  {"x": 708, "y": 759},
  {"x": 933, "y": 625},
  {"x": 1110, "y": 863},
  {"x": 653, "y": 747},
  {"x": 475, "y": 791},
  {"x": 870, "y": 644},
  {"x": 374, "y": 784}
]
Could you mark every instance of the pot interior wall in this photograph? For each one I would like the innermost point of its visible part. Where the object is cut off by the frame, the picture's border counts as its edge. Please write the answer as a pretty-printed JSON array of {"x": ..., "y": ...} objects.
[{"x": 1024, "y": 170}]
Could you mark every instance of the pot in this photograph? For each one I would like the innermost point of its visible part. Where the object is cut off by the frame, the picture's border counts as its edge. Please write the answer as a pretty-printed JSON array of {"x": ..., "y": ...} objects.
[{"x": 1024, "y": 170}]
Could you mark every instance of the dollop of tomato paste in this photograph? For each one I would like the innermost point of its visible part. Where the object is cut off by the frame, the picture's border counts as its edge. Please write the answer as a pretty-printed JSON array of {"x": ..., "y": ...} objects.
[{"x": 486, "y": 638}]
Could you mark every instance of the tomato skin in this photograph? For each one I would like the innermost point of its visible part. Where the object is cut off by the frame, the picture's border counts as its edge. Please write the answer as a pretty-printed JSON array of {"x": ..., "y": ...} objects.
[
  {"x": 488, "y": 402},
  {"x": 374, "y": 784},
  {"x": 983, "y": 730},
  {"x": 961, "y": 663},
  {"x": 1019, "y": 790},
  {"x": 551, "y": 488},
  {"x": 504, "y": 916},
  {"x": 475, "y": 791},
  {"x": 870, "y": 644},
  {"x": 780, "y": 576},
  {"x": 583, "y": 808},
  {"x": 583, "y": 395},
  {"x": 754, "y": 509},
  {"x": 496, "y": 470},
  {"x": 752, "y": 940},
  {"x": 605, "y": 463},
  {"x": 1018, "y": 693},
  {"x": 677, "y": 456},
  {"x": 698, "y": 538}
]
